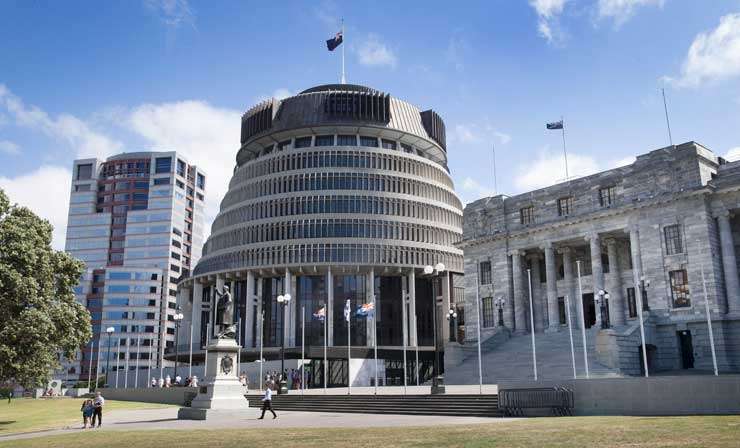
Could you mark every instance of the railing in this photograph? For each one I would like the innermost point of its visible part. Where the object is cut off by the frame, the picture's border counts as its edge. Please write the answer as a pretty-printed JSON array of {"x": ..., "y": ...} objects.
[{"x": 558, "y": 399}]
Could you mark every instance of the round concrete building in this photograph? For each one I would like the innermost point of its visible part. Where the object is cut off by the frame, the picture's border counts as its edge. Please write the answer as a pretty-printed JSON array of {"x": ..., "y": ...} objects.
[{"x": 340, "y": 194}]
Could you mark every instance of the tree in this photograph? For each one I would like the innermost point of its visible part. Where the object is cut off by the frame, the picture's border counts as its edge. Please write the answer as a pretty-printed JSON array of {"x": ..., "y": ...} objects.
[{"x": 39, "y": 316}]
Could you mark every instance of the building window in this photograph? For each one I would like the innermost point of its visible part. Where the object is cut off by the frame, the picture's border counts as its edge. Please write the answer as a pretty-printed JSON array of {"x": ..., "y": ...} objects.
[
  {"x": 631, "y": 302},
  {"x": 562, "y": 318},
  {"x": 303, "y": 142},
  {"x": 680, "y": 289},
  {"x": 84, "y": 172},
  {"x": 162, "y": 181},
  {"x": 673, "y": 239},
  {"x": 485, "y": 272},
  {"x": 607, "y": 196},
  {"x": 84, "y": 187},
  {"x": 372, "y": 142},
  {"x": 324, "y": 140},
  {"x": 284, "y": 145},
  {"x": 565, "y": 206},
  {"x": 388, "y": 144},
  {"x": 163, "y": 165},
  {"x": 526, "y": 215},
  {"x": 488, "y": 312},
  {"x": 201, "y": 181},
  {"x": 347, "y": 140}
]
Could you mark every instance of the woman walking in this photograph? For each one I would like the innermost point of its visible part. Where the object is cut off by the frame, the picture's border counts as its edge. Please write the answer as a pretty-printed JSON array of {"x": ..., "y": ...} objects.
[
  {"x": 267, "y": 402},
  {"x": 87, "y": 412}
]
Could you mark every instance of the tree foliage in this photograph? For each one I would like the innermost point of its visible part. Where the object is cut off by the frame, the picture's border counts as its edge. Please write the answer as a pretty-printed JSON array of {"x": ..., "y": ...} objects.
[{"x": 39, "y": 316}]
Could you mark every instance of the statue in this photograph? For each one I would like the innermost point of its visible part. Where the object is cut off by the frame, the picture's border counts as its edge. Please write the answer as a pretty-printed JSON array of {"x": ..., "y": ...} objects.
[{"x": 225, "y": 314}]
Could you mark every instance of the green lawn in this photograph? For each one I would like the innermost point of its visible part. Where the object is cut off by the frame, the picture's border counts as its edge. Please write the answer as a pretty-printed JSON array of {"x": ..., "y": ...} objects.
[
  {"x": 23, "y": 415},
  {"x": 570, "y": 432}
]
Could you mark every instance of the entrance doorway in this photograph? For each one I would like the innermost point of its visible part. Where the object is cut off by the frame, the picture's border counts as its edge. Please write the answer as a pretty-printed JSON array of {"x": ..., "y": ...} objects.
[
  {"x": 687, "y": 349},
  {"x": 589, "y": 310}
]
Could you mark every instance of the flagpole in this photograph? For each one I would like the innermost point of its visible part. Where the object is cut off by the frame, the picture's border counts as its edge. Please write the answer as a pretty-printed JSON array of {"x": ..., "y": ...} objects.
[
  {"x": 668, "y": 123},
  {"x": 128, "y": 353},
  {"x": 97, "y": 366},
  {"x": 190, "y": 350},
  {"x": 531, "y": 323},
  {"x": 208, "y": 335},
  {"x": 136, "y": 376},
  {"x": 404, "y": 315},
  {"x": 709, "y": 321},
  {"x": 344, "y": 79},
  {"x": 477, "y": 311},
  {"x": 149, "y": 365},
  {"x": 416, "y": 328},
  {"x": 583, "y": 320},
  {"x": 118, "y": 362},
  {"x": 326, "y": 341},
  {"x": 89, "y": 366},
  {"x": 262, "y": 334},
  {"x": 570, "y": 333},
  {"x": 348, "y": 310},
  {"x": 565, "y": 153},
  {"x": 303, "y": 348},
  {"x": 239, "y": 350},
  {"x": 375, "y": 345}
]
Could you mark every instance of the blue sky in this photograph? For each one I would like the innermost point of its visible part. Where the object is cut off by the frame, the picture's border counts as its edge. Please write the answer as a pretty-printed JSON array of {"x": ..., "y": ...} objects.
[{"x": 90, "y": 79}]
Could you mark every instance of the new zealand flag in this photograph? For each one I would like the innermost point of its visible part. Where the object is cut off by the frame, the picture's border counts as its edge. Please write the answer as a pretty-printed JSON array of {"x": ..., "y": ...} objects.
[{"x": 334, "y": 42}]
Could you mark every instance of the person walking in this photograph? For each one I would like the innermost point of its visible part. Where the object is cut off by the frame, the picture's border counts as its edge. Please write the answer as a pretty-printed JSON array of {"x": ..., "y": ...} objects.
[
  {"x": 87, "y": 412},
  {"x": 267, "y": 402},
  {"x": 98, "y": 403}
]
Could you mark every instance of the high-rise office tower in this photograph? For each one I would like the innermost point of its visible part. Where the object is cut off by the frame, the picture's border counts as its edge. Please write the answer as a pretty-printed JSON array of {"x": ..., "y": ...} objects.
[{"x": 136, "y": 220}]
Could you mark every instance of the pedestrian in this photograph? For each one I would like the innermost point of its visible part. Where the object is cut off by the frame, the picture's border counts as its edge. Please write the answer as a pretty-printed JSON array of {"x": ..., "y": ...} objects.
[
  {"x": 267, "y": 402},
  {"x": 154, "y": 382},
  {"x": 87, "y": 412},
  {"x": 10, "y": 396},
  {"x": 98, "y": 403},
  {"x": 167, "y": 381},
  {"x": 178, "y": 379}
]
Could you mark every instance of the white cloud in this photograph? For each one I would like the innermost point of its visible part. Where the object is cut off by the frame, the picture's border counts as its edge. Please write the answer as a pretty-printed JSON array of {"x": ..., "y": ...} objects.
[
  {"x": 733, "y": 154},
  {"x": 713, "y": 55},
  {"x": 548, "y": 23},
  {"x": 208, "y": 136},
  {"x": 623, "y": 162},
  {"x": 46, "y": 192},
  {"x": 279, "y": 94},
  {"x": 471, "y": 190},
  {"x": 78, "y": 134},
  {"x": 9, "y": 147},
  {"x": 477, "y": 133},
  {"x": 373, "y": 52},
  {"x": 172, "y": 13},
  {"x": 622, "y": 10},
  {"x": 549, "y": 168}
]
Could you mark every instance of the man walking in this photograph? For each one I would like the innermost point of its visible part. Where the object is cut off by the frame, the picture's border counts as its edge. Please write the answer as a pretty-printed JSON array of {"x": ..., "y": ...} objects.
[
  {"x": 267, "y": 402},
  {"x": 98, "y": 403}
]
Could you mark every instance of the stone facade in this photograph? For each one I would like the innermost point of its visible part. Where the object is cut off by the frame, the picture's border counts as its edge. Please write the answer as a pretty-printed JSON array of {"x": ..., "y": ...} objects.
[{"x": 649, "y": 232}]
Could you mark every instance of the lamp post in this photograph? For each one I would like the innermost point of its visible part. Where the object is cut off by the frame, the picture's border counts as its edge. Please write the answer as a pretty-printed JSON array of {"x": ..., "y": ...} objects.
[
  {"x": 283, "y": 300},
  {"x": 500, "y": 302},
  {"x": 178, "y": 318},
  {"x": 437, "y": 379},
  {"x": 110, "y": 331},
  {"x": 602, "y": 298},
  {"x": 452, "y": 317}
]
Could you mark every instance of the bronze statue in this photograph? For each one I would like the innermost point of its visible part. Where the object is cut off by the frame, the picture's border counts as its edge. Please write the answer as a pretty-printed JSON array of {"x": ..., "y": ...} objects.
[{"x": 225, "y": 314}]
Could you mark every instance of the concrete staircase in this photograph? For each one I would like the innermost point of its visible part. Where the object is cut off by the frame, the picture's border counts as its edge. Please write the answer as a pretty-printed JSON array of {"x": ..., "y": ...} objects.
[
  {"x": 452, "y": 405},
  {"x": 510, "y": 359}
]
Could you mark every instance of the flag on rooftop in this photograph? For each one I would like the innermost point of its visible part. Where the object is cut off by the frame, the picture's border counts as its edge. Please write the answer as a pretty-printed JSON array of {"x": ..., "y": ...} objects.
[
  {"x": 320, "y": 314},
  {"x": 365, "y": 309},
  {"x": 555, "y": 125},
  {"x": 334, "y": 42}
]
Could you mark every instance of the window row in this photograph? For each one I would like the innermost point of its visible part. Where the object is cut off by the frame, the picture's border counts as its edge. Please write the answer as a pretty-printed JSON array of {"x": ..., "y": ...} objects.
[
  {"x": 329, "y": 253},
  {"x": 292, "y": 206},
  {"x": 607, "y": 197},
  {"x": 340, "y": 181},
  {"x": 341, "y": 159},
  {"x": 332, "y": 228}
]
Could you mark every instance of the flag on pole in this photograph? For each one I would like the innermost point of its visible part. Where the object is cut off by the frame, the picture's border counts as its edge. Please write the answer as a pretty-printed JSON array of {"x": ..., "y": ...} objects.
[
  {"x": 335, "y": 41},
  {"x": 365, "y": 309},
  {"x": 555, "y": 125},
  {"x": 320, "y": 314},
  {"x": 347, "y": 311}
]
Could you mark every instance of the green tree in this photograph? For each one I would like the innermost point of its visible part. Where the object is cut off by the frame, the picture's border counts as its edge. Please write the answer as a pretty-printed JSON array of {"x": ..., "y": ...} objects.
[{"x": 39, "y": 316}]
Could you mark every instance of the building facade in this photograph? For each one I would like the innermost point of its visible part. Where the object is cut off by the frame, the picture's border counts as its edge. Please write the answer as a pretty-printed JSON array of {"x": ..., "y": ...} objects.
[
  {"x": 340, "y": 194},
  {"x": 136, "y": 221},
  {"x": 661, "y": 232}
]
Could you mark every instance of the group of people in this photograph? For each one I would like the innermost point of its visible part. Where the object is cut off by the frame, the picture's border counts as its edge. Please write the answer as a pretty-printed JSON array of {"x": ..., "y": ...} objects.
[
  {"x": 179, "y": 382},
  {"x": 292, "y": 378},
  {"x": 92, "y": 411}
]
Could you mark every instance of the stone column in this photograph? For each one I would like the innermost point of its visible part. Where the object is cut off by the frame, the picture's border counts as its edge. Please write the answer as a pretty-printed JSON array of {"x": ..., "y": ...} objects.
[
  {"x": 329, "y": 319},
  {"x": 729, "y": 263},
  {"x": 617, "y": 310},
  {"x": 519, "y": 302},
  {"x": 539, "y": 315},
  {"x": 552, "y": 287},
  {"x": 289, "y": 313},
  {"x": 570, "y": 289},
  {"x": 597, "y": 270},
  {"x": 412, "y": 308},
  {"x": 248, "y": 317}
]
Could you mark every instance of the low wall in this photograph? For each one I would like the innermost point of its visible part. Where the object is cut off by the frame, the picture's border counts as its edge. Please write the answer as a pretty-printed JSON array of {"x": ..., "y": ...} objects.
[
  {"x": 164, "y": 395},
  {"x": 662, "y": 395}
]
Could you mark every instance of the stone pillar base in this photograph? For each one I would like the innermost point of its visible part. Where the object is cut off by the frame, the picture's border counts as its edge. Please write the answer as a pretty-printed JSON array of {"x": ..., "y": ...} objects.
[
  {"x": 553, "y": 329},
  {"x": 221, "y": 392}
]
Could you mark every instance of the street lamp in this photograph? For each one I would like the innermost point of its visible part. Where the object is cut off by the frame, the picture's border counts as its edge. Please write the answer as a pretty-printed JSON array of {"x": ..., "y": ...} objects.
[
  {"x": 452, "y": 317},
  {"x": 602, "y": 298},
  {"x": 283, "y": 300},
  {"x": 500, "y": 302},
  {"x": 437, "y": 379},
  {"x": 110, "y": 331},
  {"x": 178, "y": 318}
]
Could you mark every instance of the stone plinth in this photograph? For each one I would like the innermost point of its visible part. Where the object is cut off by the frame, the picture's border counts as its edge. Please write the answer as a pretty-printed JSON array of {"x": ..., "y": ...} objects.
[{"x": 221, "y": 390}]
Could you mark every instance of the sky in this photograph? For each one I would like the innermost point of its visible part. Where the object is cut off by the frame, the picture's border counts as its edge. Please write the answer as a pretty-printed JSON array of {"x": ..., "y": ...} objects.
[{"x": 91, "y": 79}]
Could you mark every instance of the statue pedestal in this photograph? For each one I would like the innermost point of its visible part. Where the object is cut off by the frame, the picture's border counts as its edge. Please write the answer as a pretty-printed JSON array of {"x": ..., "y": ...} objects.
[{"x": 220, "y": 391}]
